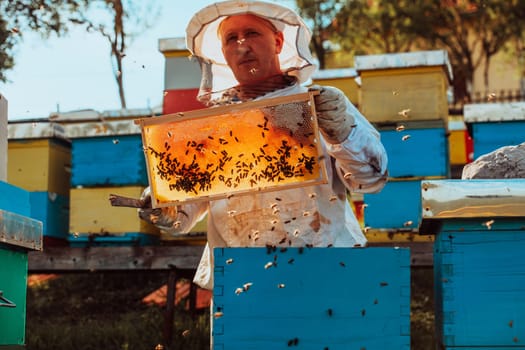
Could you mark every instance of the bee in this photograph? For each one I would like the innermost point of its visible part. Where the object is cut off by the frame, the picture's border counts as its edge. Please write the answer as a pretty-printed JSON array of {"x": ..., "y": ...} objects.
[
  {"x": 406, "y": 137},
  {"x": 342, "y": 264},
  {"x": 115, "y": 141},
  {"x": 218, "y": 314},
  {"x": 400, "y": 128},
  {"x": 268, "y": 265},
  {"x": 229, "y": 261},
  {"x": 239, "y": 291},
  {"x": 348, "y": 175},
  {"x": 488, "y": 224},
  {"x": 330, "y": 312},
  {"x": 408, "y": 223},
  {"x": 281, "y": 285},
  {"x": 404, "y": 112},
  {"x": 247, "y": 286}
]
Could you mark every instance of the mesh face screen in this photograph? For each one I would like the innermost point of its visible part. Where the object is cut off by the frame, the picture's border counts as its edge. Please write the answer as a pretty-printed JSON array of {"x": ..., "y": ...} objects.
[{"x": 225, "y": 151}]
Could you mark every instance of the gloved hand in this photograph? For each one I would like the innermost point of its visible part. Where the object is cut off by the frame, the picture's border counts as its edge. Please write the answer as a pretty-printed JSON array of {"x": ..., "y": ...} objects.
[
  {"x": 334, "y": 121},
  {"x": 163, "y": 218}
]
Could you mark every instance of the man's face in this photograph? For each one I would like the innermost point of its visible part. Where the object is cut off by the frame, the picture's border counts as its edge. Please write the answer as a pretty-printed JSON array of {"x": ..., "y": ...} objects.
[{"x": 251, "y": 47}]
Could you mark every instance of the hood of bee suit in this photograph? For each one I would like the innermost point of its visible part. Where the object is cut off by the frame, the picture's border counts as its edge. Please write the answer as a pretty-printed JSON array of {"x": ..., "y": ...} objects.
[{"x": 203, "y": 42}]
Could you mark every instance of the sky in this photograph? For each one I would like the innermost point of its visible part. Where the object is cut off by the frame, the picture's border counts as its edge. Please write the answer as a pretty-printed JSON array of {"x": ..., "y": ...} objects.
[{"x": 74, "y": 72}]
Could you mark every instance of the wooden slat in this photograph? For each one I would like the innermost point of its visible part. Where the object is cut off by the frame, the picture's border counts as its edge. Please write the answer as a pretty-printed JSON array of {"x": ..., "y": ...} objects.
[{"x": 67, "y": 259}]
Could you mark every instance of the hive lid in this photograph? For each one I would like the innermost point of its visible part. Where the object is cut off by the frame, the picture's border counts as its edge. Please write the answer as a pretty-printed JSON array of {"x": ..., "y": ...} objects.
[
  {"x": 478, "y": 198},
  {"x": 404, "y": 60},
  {"x": 34, "y": 129},
  {"x": 494, "y": 112},
  {"x": 20, "y": 231}
]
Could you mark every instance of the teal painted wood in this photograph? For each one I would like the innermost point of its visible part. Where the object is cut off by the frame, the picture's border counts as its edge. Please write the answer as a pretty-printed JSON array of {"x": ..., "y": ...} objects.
[
  {"x": 108, "y": 161},
  {"x": 311, "y": 298},
  {"x": 424, "y": 153},
  {"x": 127, "y": 239},
  {"x": 397, "y": 206},
  {"x": 480, "y": 284},
  {"x": 13, "y": 281},
  {"x": 488, "y": 137},
  {"x": 14, "y": 199},
  {"x": 53, "y": 210}
]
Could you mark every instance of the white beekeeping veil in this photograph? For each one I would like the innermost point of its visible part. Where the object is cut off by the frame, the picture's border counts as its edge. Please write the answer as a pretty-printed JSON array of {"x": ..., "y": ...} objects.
[{"x": 203, "y": 42}]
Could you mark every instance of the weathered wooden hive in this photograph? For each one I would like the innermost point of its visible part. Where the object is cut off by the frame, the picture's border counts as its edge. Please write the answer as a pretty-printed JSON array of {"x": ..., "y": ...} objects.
[{"x": 479, "y": 269}]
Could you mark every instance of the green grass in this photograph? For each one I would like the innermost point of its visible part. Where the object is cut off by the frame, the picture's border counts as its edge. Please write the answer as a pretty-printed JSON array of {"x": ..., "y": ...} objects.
[
  {"x": 104, "y": 311},
  {"x": 93, "y": 311}
]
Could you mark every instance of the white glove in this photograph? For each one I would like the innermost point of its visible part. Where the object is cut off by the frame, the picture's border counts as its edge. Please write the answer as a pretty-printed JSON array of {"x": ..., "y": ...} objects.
[
  {"x": 163, "y": 218},
  {"x": 334, "y": 121}
]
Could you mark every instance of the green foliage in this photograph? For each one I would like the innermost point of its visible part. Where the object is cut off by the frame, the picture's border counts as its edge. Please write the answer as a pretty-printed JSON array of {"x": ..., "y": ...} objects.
[
  {"x": 471, "y": 31},
  {"x": 105, "y": 311}
]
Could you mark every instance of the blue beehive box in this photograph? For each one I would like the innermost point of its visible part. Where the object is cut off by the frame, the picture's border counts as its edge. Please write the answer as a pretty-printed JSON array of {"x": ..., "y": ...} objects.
[
  {"x": 108, "y": 161},
  {"x": 479, "y": 264},
  {"x": 419, "y": 150},
  {"x": 311, "y": 298},
  {"x": 397, "y": 206},
  {"x": 52, "y": 210},
  {"x": 14, "y": 199},
  {"x": 495, "y": 125}
]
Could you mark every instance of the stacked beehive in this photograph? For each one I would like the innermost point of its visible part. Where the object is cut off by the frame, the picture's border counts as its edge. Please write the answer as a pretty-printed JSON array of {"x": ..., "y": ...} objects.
[
  {"x": 495, "y": 125},
  {"x": 479, "y": 270},
  {"x": 39, "y": 161},
  {"x": 181, "y": 77},
  {"x": 18, "y": 234},
  {"x": 106, "y": 158},
  {"x": 405, "y": 96}
]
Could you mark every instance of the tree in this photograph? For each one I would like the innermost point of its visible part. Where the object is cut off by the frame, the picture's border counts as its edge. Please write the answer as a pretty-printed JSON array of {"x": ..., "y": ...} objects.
[
  {"x": 367, "y": 27},
  {"x": 319, "y": 15},
  {"x": 472, "y": 31},
  {"x": 120, "y": 15},
  {"x": 46, "y": 17}
]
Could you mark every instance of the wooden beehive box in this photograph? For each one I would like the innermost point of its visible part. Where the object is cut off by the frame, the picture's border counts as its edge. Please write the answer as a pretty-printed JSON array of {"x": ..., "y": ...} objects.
[
  {"x": 224, "y": 151},
  {"x": 495, "y": 125},
  {"x": 460, "y": 142},
  {"x": 52, "y": 210},
  {"x": 15, "y": 199},
  {"x": 39, "y": 157},
  {"x": 93, "y": 221},
  {"x": 345, "y": 79},
  {"x": 404, "y": 86},
  {"x": 416, "y": 149},
  {"x": 478, "y": 261},
  {"x": 311, "y": 298},
  {"x": 396, "y": 207},
  {"x": 106, "y": 153}
]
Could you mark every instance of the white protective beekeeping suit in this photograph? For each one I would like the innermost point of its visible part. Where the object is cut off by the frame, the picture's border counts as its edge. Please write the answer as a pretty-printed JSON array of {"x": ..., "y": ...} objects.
[{"x": 318, "y": 215}]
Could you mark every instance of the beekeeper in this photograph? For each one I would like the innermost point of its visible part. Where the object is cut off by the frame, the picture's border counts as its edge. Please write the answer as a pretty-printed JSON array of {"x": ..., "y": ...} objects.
[{"x": 253, "y": 50}]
